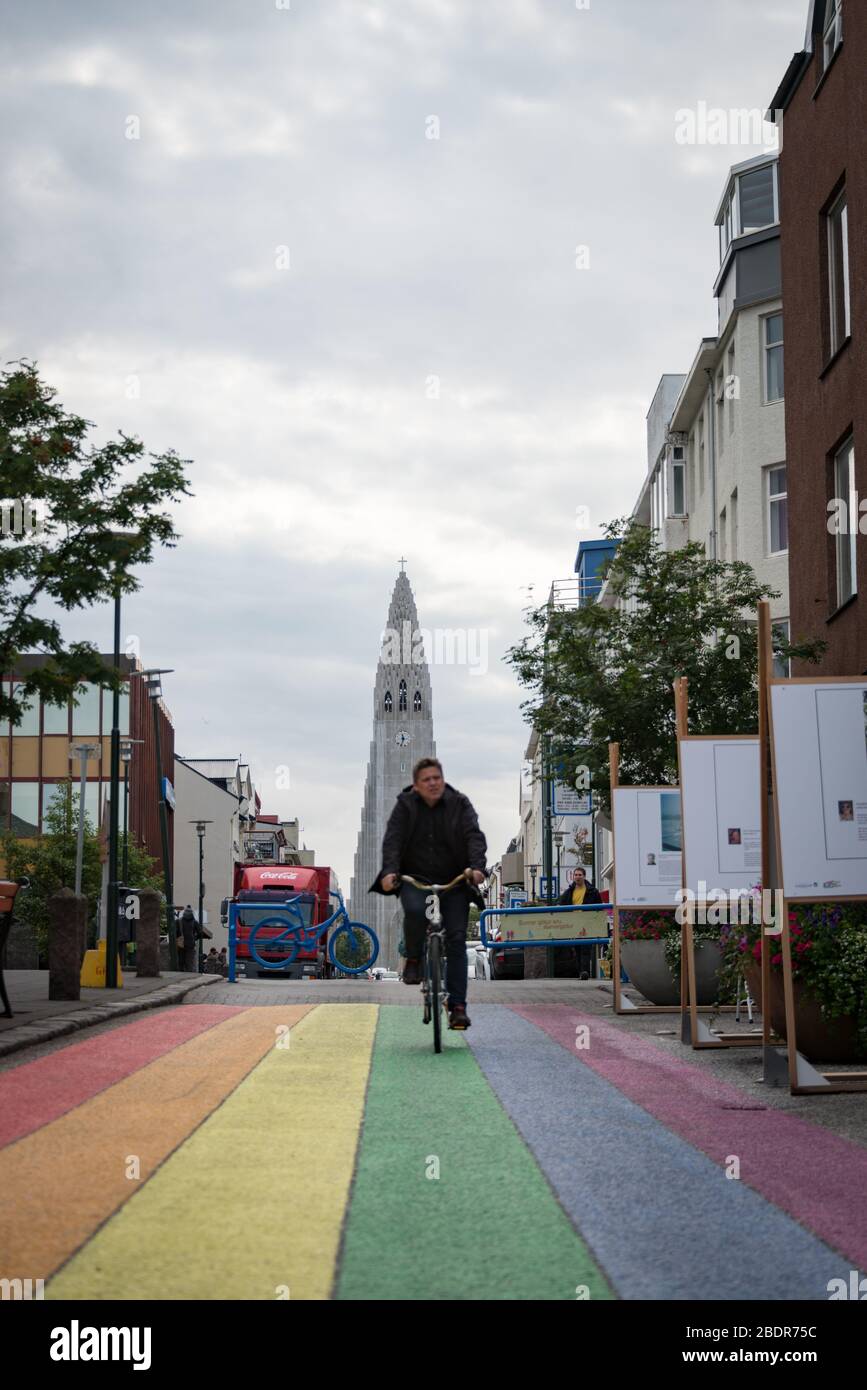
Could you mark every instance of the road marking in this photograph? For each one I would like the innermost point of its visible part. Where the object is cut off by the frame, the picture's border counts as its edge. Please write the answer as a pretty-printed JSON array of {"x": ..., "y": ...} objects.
[
  {"x": 35, "y": 1093},
  {"x": 447, "y": 1202},
  {"x": 62, "y": 1182},
  {"x": 252, "y": 1205}
]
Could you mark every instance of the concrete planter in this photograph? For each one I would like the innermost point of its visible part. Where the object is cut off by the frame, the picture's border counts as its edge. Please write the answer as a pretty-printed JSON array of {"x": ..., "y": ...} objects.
[
  {"x": 819, "y": 1039},
  {"x": 647, "y": 968}
]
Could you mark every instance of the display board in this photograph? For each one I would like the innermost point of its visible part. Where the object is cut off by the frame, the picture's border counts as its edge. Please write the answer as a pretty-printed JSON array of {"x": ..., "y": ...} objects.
[
  {"x": 647, "y": 846},
  {"x": 819, "y": 744},
  {"x": 722, "y": 834},
  {"x": 555, "y": 926}
]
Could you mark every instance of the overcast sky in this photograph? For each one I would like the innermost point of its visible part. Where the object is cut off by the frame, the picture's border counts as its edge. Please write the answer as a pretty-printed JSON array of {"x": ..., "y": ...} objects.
[{"x": 227, "y": 230}]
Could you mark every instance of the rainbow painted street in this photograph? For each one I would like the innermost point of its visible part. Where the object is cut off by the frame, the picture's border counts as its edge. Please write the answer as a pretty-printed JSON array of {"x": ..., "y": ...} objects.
[{"x": 308, "y": 1151}]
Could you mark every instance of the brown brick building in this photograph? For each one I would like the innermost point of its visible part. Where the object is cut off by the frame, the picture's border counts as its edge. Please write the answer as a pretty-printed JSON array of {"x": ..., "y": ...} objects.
[
  {"x": 821, "y": 107},
  {"x": 34, "y": 757}
]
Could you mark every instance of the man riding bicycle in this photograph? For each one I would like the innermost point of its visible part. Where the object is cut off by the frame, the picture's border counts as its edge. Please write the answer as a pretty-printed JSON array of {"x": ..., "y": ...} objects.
[{"x": 433, "y": 834}]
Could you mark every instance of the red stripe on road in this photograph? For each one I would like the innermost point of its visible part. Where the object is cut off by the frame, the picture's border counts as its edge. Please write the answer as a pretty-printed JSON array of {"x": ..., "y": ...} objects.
[
  {"x": 802, "y": 1168},
  {"x": 35, "y": 1093}
]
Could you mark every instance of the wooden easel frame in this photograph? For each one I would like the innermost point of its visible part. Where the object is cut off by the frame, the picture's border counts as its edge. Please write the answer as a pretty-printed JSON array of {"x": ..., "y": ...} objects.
[
  {"x": 622, "y": 1005},
  {"x": 693, "y": 1030},
  {"x": 803, "y": 1077}
]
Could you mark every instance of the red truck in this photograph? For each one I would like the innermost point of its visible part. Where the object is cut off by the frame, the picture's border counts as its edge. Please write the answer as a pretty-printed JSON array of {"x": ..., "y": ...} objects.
[{"x": 273, "y": 885}]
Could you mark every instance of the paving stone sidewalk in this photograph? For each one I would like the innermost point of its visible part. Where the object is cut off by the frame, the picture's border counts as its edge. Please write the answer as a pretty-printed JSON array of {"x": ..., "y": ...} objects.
[{"x": 38, "y": 1019}]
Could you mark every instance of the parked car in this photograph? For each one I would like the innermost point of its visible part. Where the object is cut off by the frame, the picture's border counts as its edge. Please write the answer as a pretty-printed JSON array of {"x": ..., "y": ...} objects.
[{"x": 506, "y": 965}]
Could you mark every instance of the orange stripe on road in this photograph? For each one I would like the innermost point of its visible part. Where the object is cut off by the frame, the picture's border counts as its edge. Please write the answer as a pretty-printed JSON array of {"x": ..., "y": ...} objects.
[{"x": 59, "y": 1184}]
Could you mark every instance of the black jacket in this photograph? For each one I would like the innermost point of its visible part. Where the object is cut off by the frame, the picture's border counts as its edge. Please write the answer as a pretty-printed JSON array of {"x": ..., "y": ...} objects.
[
  {"x": 462, "y": 829},
  {"x": 591, "y": 895},
  {"x": 189, "y": 927}
]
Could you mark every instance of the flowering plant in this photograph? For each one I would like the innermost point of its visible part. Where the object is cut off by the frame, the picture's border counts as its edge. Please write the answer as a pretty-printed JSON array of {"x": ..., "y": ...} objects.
[
  {"x": 829, "y": 955},
  {"x": 647, "y": 926}
]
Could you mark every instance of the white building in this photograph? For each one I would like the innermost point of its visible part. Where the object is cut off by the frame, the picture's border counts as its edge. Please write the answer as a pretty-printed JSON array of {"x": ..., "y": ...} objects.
[
  {"x": 716, "y": 451},
  {"x": 199, "y": 798},
  {"x": 716, "y": 457}
]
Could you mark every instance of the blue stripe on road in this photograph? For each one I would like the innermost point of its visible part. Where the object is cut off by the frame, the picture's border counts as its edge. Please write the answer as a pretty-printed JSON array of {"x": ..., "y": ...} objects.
[{"x": 663, "y": 1220}]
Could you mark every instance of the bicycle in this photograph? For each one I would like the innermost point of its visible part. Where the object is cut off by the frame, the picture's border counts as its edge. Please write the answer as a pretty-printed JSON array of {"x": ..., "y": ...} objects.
[
  {"x": 358, "y": 942},
  {"x": 432, "y": 956}
]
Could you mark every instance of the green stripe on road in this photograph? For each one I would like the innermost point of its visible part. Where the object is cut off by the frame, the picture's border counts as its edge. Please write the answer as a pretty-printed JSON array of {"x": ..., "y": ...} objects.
[{"x": 488, "y": 1226}]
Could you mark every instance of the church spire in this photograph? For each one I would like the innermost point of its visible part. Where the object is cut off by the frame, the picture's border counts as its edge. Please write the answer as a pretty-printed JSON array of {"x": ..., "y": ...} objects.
[{"x": 402, "y": 733}]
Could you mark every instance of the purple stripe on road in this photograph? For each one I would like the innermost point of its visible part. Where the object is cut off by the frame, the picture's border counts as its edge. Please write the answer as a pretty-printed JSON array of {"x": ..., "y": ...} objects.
[{"x": 804, "y": 1169}]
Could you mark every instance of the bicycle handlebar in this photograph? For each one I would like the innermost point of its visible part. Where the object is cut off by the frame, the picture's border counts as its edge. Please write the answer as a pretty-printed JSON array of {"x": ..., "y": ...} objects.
[{"x": 436, "y": 887}]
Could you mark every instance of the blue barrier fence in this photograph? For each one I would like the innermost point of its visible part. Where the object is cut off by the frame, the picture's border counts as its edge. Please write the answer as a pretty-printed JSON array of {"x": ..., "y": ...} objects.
[{"x": 511, "y": 913}]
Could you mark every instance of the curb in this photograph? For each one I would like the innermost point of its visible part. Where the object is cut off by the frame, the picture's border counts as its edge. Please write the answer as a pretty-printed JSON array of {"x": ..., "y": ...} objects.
[{"x": 31, "y": 1034}]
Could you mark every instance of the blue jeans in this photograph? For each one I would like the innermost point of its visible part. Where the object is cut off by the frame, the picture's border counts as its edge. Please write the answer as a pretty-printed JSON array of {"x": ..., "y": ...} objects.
[{"x": 455, "y": 908}]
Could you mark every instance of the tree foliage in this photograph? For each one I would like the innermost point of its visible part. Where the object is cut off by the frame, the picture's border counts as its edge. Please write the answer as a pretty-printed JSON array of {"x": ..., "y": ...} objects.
[
  {"x": 49, "y": 862},
  {"x": 604, "y": 673},
  {"x": 84, "y": 496}
]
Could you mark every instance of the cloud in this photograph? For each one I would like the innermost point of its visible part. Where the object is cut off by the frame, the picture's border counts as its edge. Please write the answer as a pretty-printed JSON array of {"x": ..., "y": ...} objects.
[{"x": 432, "y": 376}]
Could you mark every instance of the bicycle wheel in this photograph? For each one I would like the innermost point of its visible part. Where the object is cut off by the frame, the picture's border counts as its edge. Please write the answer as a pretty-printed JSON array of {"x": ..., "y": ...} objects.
[
  {"x": 291, "y": 947},
  {"x": 353, "y": 948},
  {"x": 434, "y": 959}
]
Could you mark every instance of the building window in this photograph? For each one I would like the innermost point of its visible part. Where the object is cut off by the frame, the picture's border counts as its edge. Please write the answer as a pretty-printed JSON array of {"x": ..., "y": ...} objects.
[
  {"x": 720, "y": 410},
  {"x": 657, "y": 497},
  {"x": 25, "y": 809},
  {"x": 781, "y": 667},
  {"x": 733, "y": 522},
  {"x": 722, "y": 534},
  {"x": 55, "y": 719},
  {"x": 30, "y": 720},
  {"x": 701, "y": 455},
  {"x": 388, "y": 703},
  {"x": 833, "y": 35},
  {"x": 844, "y": 484},
  {"x": 678, "y": 481},
  {"x": 778, "y": 510},
  {"x": 416, "y": 702},
  {"x": 772, "y": 332},
  {"x": 838, "y": 270},
  {"x": 85, "y": 715},
  {"x": 731, "y": 387},
  {"x": 752, "y": 203},
  {"x": 757, "y": 199},
  {"x": 401, "y": 700}
]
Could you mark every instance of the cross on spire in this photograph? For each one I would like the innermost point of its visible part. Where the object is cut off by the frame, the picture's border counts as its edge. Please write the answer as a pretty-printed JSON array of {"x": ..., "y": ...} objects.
[{"x": 402, "y": 563}]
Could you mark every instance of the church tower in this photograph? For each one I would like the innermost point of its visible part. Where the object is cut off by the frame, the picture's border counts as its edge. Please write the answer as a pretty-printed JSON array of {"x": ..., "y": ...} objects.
[{"x": 402, "y": 733}]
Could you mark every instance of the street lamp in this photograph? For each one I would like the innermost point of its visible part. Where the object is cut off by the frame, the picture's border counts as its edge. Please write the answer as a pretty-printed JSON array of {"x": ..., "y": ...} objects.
[
  {"x": 126, "y": 756},
  {"x": 200, "y": 831},
  {"x": 154, "y": 688},
  {"x": 125, "y": 543},
  {"x": 534, "y": 869},
  {"x": 82, "y": 751},
  {"x": 558, "y": 841}
]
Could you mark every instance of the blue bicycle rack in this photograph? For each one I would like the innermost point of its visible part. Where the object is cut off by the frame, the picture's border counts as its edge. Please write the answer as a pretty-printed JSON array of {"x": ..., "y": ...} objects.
[
  {"x": 284, "y": 915},
  {"x": 288, "y": 916}
]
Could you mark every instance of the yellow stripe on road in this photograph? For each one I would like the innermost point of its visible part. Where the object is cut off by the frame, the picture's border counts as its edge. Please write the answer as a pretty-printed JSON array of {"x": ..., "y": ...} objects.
[
  {"x": 252, "y": 1206},
  {"x": 58, "y": 1184}
]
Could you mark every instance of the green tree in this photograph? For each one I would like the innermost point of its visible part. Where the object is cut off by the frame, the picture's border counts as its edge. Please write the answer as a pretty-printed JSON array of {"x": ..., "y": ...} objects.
[
  {"x": 49, "y": 862},
  {"x": 69, "y": 551},
  {"x": 604, "y": 674}
]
